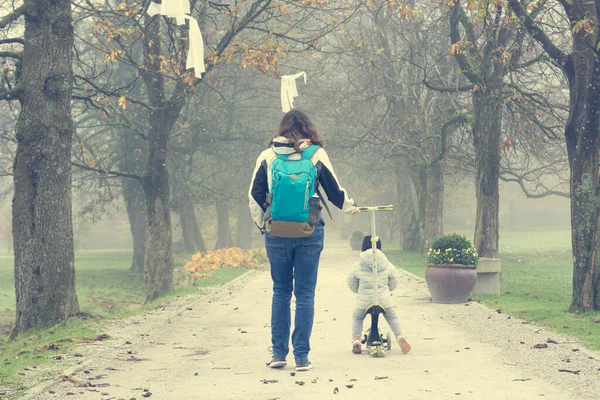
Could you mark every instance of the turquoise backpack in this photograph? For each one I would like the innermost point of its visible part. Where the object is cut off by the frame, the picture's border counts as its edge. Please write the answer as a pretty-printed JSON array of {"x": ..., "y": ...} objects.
[{"x": 293, "y": 185}]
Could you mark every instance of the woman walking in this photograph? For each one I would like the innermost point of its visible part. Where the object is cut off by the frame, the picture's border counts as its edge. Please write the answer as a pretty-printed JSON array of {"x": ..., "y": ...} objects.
[{"x": 285, "y": 202}]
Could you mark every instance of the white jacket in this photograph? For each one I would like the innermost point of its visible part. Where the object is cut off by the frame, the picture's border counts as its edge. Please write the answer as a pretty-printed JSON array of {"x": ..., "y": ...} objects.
[
  {"x": 360, "y": 280},
  {"x": 262, "y": 178}
]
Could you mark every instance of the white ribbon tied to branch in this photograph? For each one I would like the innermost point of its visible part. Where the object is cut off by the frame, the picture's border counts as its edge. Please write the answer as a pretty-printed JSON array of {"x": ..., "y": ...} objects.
[
  {"x": 178, "y": 9},
  {"x": 289, "y": 90}
]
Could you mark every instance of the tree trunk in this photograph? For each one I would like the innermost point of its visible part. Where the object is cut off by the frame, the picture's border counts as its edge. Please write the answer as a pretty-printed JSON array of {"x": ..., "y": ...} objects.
[
  {"x": 434, "y": 215},
  {"x": 245, "y": 227},
  {"x": 585, "y": 206},
  {"x": 42, "y": 221},
  {"x": 166, "y": 110},
  {"x": 132, "y": 161},
  {"x": 192, "y": 237},
  {"x": 487, "y": 129},
  {"x": 411, "y": 232},
  {"x": 133, "y": 192},
  {"x": 224, "y": 230},
  {"x": 159, "y": 251},
  {"x": 418, "y": 175}
]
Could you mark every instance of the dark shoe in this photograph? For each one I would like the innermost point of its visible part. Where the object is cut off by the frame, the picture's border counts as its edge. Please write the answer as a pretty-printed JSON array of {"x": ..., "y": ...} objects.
[{"x": 303, "y": 365}]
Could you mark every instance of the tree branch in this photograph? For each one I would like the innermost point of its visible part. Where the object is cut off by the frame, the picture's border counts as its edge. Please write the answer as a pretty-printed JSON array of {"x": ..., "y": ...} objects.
[
  {"x": 464, "y": 65},
  {"x": 539, "y": 35},
  {"x": 526, "y": 192},
  {"x": 458, "y": 119},
  {"x": 445, "y": 89},
  {"x": 11, "y": 94},
  {"x": 12, "y": 40},
  {"x": 11, "y": 54},
  {"x": 108, "y": 172},
  {"x": 13, "y": 16}
]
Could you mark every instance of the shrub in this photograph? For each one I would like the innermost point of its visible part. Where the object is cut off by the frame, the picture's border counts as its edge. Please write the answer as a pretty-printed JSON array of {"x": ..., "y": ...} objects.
[
  {"x": 357, "y": 235},
  {"x": 452, "y": 249},
  {"x": 233, "y": 257}
]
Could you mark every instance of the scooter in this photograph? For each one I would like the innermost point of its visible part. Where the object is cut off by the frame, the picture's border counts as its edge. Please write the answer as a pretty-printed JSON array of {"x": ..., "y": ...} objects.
[{"x": 373, "y": 337}]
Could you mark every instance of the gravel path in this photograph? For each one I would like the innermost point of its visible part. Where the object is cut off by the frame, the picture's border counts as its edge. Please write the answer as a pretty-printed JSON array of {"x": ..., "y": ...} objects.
[{"x": 216, "y": 347}]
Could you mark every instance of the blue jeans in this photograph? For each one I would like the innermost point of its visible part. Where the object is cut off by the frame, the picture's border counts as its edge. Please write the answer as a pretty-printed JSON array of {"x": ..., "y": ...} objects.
[{"x": 294, "y": 266}]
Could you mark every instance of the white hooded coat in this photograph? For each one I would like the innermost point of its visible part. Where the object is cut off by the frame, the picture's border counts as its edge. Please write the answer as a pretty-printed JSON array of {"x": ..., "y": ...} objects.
[{"x": 360, "y": 280}]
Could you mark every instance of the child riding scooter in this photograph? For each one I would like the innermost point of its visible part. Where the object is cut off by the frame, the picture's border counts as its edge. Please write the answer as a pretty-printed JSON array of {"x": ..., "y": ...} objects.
[{"x": 374, "y": 299}]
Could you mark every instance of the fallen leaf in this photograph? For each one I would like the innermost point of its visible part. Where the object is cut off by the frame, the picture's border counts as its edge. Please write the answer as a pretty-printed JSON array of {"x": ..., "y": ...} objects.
[
  {"x": 377, "y": 378},
  {"x": 521, "y": 379},
  {"x": 349, "y": 386},
  {"x": 575, "y": 350},
  {"x": 540, "y": 346},
  {"x": 314, "y": 380},
  {"x": 292, "y": 374},
  {"x": 353, "y": 380},
  {"x": 499, "y": 311},
  {"x": 552, "y": 341},
  {"x": 301, "y": 383},
  {"x": 147, "y": 394},
  {"x": 265, "y": 381},
  {"x": 336, "y": 391}
]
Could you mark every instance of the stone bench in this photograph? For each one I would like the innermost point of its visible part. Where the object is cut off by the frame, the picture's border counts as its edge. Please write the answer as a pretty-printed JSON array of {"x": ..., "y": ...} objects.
[{"x": 488, "y": 276}]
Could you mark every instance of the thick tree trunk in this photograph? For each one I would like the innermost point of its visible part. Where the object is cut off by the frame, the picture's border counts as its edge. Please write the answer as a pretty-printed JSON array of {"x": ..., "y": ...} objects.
[
  {"x": 487, "y": 129},
  {"x": 434, "y": 215},
  {"x": 224, "y": 230},
  {"x": 166, "y": 110},
  {"x": 42, "y": 222},
  {"x": 192, "y": 237},
  {"x": 133, "y": 192},
  {"x": 411, "y": 232},
  {"x": 245, "y": 227},
  {"x": 159, "y": 252},
  {"x": 585, "y": 204}
]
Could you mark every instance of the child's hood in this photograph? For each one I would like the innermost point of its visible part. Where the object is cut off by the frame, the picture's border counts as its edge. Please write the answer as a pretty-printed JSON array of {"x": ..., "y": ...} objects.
[{"x": 368, "y": 261}]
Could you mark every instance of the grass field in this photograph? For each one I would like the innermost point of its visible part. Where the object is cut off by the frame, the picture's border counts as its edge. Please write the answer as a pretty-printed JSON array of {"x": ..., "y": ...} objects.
[
  {"x": 535, "y": 282},
  {"x": 105, "y": 288}
]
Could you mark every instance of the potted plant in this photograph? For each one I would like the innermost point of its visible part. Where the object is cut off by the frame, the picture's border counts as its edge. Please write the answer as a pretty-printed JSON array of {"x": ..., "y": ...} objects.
[
  {"x": 451, "y": 269},
  {"x": 356, "y": 240}
]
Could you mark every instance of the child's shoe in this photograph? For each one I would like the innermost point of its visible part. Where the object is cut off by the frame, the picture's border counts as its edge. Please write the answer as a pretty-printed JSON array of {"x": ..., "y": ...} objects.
[
  {"x": 404, "y": 346},
  {"x": 356, "y": 345}
]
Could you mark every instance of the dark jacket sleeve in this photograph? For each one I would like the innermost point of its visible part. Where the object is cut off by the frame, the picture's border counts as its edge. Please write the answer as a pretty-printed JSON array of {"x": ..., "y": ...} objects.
[
  {"x": 336, "y": 194},
  {"x": 259, "y": 188}
]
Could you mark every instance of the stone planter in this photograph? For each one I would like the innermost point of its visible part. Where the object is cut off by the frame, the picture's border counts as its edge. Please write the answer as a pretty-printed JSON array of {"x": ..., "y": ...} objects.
[
  {"x": 488, "y": 277},
  {"x": 450, "y": 283}
]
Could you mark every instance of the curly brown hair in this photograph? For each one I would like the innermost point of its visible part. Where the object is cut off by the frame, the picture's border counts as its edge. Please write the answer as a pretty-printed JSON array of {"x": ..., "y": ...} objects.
[{"x": 296, "y": 126}]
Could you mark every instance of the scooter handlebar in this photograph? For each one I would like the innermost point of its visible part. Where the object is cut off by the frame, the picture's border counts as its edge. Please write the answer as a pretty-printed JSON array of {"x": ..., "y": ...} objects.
[{"x": 376, "y": 208}]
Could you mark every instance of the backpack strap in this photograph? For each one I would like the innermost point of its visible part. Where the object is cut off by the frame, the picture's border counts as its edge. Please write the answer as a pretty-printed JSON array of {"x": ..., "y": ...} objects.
[
  {"x": 324, "y": 203},
  {"x": 310, "y": 151}
]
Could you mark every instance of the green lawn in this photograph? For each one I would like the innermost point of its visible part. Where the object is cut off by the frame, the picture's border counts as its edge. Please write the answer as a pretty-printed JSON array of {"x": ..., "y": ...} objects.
[
  {"x": 535, "y": 282},
  {"x": 105, "y": 288}
]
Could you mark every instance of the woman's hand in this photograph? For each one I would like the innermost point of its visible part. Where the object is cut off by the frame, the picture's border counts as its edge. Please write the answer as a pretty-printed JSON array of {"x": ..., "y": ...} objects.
[{"x": 353, "y": 211}]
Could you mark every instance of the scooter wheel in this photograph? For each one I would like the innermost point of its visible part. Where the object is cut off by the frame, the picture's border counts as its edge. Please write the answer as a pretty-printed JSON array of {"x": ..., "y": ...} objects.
[
  {"x": 379, "y": 351},
  {"x": 389, "y": 340}
]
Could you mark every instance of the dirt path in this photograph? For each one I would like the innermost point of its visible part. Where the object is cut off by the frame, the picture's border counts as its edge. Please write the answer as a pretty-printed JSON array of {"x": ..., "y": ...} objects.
[{"x": 218, "y": 349}]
